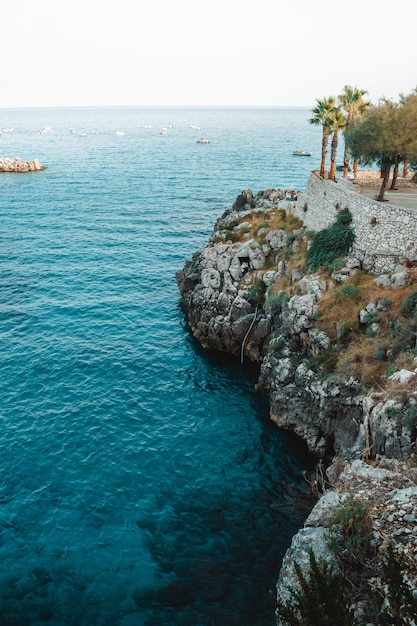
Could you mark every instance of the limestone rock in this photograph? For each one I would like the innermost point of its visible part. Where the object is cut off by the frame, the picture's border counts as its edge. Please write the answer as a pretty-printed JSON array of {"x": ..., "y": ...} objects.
[{"x": 19, "y": 166}]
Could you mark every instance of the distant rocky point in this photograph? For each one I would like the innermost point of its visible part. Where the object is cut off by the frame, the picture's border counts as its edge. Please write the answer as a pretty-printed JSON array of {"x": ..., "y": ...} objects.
[{"x": 20, "y": 166}]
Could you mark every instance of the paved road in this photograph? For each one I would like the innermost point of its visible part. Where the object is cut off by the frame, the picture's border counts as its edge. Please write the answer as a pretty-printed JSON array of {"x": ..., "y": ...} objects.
[{"x": 406, "y": 197}]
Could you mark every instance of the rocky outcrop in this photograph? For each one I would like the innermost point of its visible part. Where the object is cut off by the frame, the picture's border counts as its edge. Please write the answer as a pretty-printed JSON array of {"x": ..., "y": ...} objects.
[
  {"x": 326, "y": 414},
  {"x": 214, "y": 298},
  {"x": 222, "y": 287},
  {"x": 19, "y": 166},
  {"x": 389, "y": 487},
  {"x": 230, "y": 295},
  {"x": 218, "y": 285}
]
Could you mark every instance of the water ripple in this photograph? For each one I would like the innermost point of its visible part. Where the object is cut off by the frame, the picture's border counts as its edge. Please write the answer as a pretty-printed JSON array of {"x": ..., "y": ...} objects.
[{"x": 142, "y": 481}]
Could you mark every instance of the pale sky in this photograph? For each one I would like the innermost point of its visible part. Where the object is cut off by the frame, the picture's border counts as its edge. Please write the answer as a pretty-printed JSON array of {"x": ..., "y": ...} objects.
[{"x": 218, "y": 52}]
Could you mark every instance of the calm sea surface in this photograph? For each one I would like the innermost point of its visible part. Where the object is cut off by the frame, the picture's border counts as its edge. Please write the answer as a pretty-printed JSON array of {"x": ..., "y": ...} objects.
[{"x": 141, "y": 479}]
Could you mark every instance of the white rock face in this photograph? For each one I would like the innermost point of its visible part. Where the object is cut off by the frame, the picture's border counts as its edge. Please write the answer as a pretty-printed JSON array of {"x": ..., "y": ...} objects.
[
  {"x": 253, "y": 250},
  {"x": 210, "y": 278},
  {"x": 276, "y": 239},
  {"x": 402, "y": 376}
]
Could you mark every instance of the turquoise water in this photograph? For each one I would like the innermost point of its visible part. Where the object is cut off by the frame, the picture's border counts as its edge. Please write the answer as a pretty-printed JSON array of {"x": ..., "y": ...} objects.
[{"x": 141, "y": 479}]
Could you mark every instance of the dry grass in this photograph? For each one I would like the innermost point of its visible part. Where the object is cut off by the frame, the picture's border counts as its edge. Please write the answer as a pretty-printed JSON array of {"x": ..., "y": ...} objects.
[
  {"x": 358, "y": 360},
  {"x": 271, "y": 220},
  {"x": 362, "y": 354}
]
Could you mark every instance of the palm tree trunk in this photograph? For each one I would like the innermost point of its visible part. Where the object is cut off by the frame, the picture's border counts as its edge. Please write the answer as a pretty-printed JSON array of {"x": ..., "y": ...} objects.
[
  {"x": 333, "y": 154},
  {"x": 346, "y": 153},
  {"x": 346, "y": 157},
  {"x": 324, "y": 144}
]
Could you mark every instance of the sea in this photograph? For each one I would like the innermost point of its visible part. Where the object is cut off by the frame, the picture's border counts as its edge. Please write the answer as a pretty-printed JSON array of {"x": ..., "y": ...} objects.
[{"x": 142, "y": 480}]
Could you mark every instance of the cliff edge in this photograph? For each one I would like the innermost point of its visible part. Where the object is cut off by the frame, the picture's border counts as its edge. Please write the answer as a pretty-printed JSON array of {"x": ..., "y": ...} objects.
[{"x": 335, "y": 342}]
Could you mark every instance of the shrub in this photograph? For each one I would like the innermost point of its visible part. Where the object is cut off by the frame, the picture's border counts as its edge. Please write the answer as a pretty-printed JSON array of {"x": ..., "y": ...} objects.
[
  {"x": 323, "y": 362},
  {"x": 232, "y": 236},
  {"x": 290, "y": 238},
  {"x": 402, "y": 605},
  {"x": 380, "y": 353},
  {"x": 386, "y": 302},
  {"x": 336, "y": 265},
  {"x": 286, "y": 252},
  {"x": 275, "y": 302},
  {"x": 332, "y": 242},
  {"x": 351, "y": 530},
  {"x": 276, "y": 343},
  {"x": 405, "y": 339},
  {"x": 319, "y": 598},
  {"x": 409, "y": 418},
  {"x": 347, "y": 291},
  {"x": 256, "y": 294},
  {"x": 410, "y": 305}
]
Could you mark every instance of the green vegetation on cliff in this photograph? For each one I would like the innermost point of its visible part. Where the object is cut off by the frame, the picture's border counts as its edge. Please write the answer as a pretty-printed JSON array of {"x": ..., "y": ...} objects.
[
  {"x": 331, "y": 243},
  {"x": 372, "y": 325}
]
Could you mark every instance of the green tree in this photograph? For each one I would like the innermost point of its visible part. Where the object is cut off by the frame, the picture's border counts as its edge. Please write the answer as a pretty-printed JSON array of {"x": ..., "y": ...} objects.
[
  {"x": 321, "y": 117},
  {"x": 352, "y": 102},
  {"x": 386, "y": 135}
]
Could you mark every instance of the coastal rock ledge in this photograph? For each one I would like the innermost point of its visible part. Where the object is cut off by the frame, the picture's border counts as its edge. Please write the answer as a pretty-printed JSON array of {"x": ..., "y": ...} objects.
[
  {"x": 19, "y": 166},
  {"x": 321, "y": 340}
]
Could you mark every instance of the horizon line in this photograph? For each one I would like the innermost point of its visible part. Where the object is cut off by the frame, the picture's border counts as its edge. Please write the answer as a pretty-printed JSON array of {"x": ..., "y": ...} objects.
[{"x": 158, "y": 106}]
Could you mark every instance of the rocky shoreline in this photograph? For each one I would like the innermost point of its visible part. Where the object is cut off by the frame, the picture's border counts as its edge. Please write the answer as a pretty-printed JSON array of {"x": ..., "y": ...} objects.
[
  {"x": 19, "y": 166},
  {"x": 249, "y": 293}
]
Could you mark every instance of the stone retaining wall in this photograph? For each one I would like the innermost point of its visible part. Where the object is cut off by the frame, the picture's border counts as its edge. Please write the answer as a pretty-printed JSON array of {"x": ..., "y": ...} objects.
[
  {"x": 373, "y": 179},
  {"x": 384, "y": 234}
]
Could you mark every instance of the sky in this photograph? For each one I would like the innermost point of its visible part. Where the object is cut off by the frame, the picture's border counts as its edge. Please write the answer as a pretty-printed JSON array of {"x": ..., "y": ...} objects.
[{"x": 213, "y": 53}]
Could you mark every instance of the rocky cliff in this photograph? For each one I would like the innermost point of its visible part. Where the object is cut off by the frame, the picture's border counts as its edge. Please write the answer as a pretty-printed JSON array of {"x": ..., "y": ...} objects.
[{"x": 335, "y": 347}]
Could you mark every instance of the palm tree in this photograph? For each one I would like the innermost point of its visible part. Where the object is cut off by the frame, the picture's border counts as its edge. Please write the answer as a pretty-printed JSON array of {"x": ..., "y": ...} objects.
[
  {"x": 351, "y": 99},
  {"x": 337, "y": 122},
  {"x": 321, "y": 117}
]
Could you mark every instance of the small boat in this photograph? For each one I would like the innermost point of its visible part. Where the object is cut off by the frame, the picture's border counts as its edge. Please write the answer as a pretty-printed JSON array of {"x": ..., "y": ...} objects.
[
  {"x": 301, "y": 153},
  {"x": 195, "y": 127},
  {"x": 202, "y": 140},
  {"x": 120, "y": 133},
  {"x": 163, "y": 131}
]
